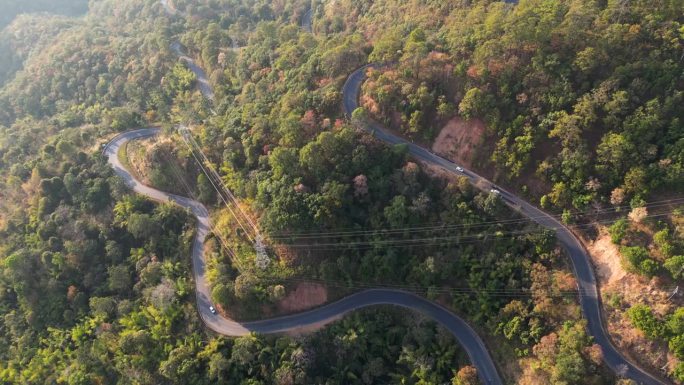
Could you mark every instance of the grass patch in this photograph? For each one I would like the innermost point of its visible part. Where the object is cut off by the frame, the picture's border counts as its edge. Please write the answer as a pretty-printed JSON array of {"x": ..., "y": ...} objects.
[
  {"x": 125, "y": 160},
  {"x": 122, "y": 154}
]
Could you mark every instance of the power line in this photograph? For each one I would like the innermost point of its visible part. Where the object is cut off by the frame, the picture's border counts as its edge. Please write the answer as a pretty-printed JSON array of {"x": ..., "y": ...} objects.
[
  {"x": 339, "y": 284},
  {"x": 426, "y": 289},
  {"x": 262, "y": 259},
  {"x": 429, "y": 289},
  {"x": 234, "y": 258},
  {"x": 461, "y": 239},
  {"x": 186, "y": 134},
  {"x": 509, "y": 292},
  {"x": 237, "y": 218},
  {"x": 442, "y": 225},
  {"x": 213, "y": 173}
]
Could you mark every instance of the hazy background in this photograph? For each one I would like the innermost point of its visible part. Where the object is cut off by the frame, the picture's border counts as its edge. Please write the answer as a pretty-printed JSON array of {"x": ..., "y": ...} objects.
[{"x": 10, "y": 8}]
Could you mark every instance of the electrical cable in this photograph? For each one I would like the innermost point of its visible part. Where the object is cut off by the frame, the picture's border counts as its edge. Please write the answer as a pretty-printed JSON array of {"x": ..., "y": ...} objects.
[{"x": 442, "y": 225}]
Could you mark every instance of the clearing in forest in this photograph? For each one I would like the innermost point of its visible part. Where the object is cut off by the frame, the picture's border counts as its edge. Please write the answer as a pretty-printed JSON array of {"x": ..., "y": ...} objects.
[{"x": 458, "y": 140}]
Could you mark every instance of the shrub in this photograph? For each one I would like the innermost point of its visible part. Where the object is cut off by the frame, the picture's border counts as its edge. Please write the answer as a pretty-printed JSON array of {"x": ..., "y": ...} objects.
[
  {"x": 642, "y": 318},
  {"x": 636, "y": 259},
  {"x": 618, "y": 230},
  {"x": 675, "y": 265}
]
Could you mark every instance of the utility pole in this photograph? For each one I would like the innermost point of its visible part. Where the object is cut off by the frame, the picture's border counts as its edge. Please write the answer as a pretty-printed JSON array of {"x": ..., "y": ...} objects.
[
  {"x": 262, "y": 260},
  {"x": 674, "y": 292}
]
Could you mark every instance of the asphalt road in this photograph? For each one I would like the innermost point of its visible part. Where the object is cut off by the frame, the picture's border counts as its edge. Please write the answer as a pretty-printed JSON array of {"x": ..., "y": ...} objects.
[
  {"x": 584, "y": 273},
  {"x": 309, "y": 320},
  {"x": 306, "y": 21},
  {"x": 467, "y": 337},
  {"x": 202, "y": 81},
  {"x": 588, "y": 293}
]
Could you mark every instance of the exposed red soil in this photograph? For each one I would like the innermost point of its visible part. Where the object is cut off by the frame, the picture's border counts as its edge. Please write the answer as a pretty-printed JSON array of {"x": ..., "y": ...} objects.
[
  {"x": 306, "y": 295},
  {"x": 459, "y": 139}
]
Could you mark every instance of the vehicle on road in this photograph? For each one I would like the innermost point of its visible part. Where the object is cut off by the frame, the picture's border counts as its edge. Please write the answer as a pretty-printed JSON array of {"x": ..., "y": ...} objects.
[
  {"x": 456, "y": 326},
  {"x": 495, "y": 191},
  {"x": 459, "y": 168}
]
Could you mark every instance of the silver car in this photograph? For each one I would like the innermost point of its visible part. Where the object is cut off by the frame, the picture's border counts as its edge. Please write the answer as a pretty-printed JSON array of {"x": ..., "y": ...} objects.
[{"x": 212, "y": 310}]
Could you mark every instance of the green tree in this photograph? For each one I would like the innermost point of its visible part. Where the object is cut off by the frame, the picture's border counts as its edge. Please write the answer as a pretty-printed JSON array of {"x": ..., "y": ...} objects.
[
  {"x": 142, "y": 226},
  {"x": 675, "y": 266},
  {"x": 678, "y": 371},
  {"x": 637, "y": 259},
  {"x": 615, "y": 155},
  {"x": 676, "y": 346},
  {"x": 119, "y": 278},
  {"x": 618, "y": 230},
  {"x": 473, "y": 104},
  {"x": 570, "y": 367},
  {"x": 102, "y": 306},
  {"x": 218, "y": 367},
  {"x": 675, "y": 323},
  {"x": 396, "y": 213},
  {"x": 180, "y": 79},
  {"x": 642, "y": 318},
  {"x": 206, "y": 192}
]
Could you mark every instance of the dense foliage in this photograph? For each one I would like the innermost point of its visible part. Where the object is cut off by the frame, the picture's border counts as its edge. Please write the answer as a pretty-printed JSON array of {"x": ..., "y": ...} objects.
[
  {"x": 280, "y": 144},
  {"x": 95, "y": 283},
  {"x": 584, "y": 96},
  {"x": 95, "y": 67},
  {"x": 26, "y": 35},
  {"x": 669, "y": 328}
]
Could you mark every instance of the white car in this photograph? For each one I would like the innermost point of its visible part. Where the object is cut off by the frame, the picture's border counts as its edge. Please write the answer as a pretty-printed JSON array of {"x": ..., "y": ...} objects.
[
  {"x": 495, "y": 191},
  {"x": 459, "y": 168},
  {"x": 212, "y": 310}
]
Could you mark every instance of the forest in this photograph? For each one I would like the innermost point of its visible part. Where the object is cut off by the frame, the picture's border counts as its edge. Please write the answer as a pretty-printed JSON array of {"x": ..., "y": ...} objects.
[{"x": 581, "y": 104}]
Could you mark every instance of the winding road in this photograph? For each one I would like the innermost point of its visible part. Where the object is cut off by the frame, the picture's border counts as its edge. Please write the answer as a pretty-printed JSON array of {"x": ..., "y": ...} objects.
[
  {"x": 307, "y": 22},
  {"x": 312, "y": 319},
  {"x": 581, "y": 262},
  {"x": 201, "y": 77},
  {"x": 469, "y": 340}
]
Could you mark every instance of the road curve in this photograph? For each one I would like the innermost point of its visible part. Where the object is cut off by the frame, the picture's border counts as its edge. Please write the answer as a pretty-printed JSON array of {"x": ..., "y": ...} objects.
[
  {"x": 200, "y": 75},
  {"x": 589, "y": 298},
  {"x": 308, "y": 320},
  {"x": 584, "y": 273},
  {"x": 312, "y": 319}
]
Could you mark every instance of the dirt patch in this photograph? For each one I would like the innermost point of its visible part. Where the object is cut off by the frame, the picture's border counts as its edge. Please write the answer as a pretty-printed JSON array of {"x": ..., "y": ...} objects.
[
  {"x": 531, "y": 375},
  {"x": 459, "y": 139},
  {"x": 629, "y": 291},
  {"x": 607, "y": 260},
  {"x": 620, "y": 290},
  {"x": 305, "y": 296}
]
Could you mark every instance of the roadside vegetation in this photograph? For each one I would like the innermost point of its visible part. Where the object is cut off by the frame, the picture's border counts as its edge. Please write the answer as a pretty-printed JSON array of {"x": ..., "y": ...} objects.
[
  {"x": 95, "y": 282},
  {"x": 642, "y": 290},
  {"x": 581, "y": 99}
]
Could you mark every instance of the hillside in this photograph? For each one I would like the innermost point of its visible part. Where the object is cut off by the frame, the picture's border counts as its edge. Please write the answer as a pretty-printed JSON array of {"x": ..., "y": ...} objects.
[{"x": 574, "y": 106}]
